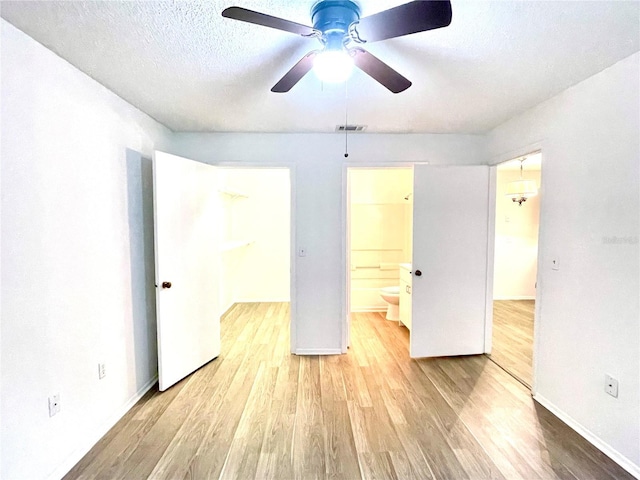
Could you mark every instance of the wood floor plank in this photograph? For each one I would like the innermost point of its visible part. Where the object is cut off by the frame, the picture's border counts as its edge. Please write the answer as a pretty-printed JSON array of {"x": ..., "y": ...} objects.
[
  {"x": 402, "y": 466},
  {"x": 412, "y": 449},
  {"x": 260, "y": 412},
  {"x": 186, "y": 443},
  {"x": 487, "y": 424},
  {"x": 309, "y": 433},
  {"x": 276, "y": 456},
  {"x": 212, "y": 453},
  {"x": 341, "y": 453},
  {"x": 382, "y": 435},
  {"x": 446, "y": 431},
  {"x": 512, "y": 339},
  {"x": 188, "y": 439},
  {"x": 151, "y": 448},
  {"x": 376, "y": 466},
  {"x": 355, "y": 383},
  {"x": 124, "y": 436},
  {"x": 244, "y": 452}
]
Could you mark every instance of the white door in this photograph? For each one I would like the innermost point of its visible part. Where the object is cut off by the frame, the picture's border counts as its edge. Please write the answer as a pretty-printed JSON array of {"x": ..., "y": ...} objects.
[
  {"x": 186, "y": 216},
  {"x": 450, "y": 226}
]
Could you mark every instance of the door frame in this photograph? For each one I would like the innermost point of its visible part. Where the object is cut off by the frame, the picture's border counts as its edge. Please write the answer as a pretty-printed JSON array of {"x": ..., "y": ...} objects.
[
  {"x": 491, "y": 244},
  {"x": 292, "y": 235},
  {"x": 345, "y": 326}
]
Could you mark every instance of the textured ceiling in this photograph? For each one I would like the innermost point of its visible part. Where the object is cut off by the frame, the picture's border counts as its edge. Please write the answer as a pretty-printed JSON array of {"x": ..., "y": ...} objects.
[{"x": 193, "y": 70}]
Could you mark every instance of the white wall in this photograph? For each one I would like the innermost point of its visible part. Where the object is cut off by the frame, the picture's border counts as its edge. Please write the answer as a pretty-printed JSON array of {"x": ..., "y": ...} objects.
[
  {"x": 77, "y": 258},
  {"x": 589, "y": 309},
  {"x": 318, "y": 161},
  {"x": 516, "y": 245},
  {"x": 260, "y": 271}
]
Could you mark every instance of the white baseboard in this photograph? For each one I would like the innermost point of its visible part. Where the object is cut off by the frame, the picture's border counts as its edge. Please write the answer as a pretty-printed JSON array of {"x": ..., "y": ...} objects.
[
  {"x": 227, "y": 307},
  {"x": 516, "y": 297},
  {"x": 372, "y": 308},
  {"x": 262, "y": 300},
  {"x": 318, "y": 351},
  {"x": 604, "y": 447},
  {"x": 89, "y": 442}
]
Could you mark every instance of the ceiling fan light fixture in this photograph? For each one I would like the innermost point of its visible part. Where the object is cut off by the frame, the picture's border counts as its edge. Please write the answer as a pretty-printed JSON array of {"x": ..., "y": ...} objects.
[{"x": 333, "y": 66}]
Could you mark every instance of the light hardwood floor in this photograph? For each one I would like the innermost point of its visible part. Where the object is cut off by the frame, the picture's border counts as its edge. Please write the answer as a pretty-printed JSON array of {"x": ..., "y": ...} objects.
[
  {"x": 512, "y": 347},
  {"x": 260, "y": 412}
]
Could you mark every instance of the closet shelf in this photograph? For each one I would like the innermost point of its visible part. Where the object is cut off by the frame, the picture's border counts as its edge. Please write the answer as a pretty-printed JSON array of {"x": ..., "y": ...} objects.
[
  {"x": 233, "y": 193},
  {"x": 226, "y": 246}
]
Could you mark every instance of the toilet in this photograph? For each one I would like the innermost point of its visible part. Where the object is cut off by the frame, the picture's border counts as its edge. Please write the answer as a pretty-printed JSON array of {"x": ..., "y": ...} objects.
[{"x": 391, "y": 295}]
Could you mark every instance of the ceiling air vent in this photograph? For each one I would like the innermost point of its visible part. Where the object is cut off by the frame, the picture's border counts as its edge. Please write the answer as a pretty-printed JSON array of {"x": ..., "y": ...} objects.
[{"x": 350, "y": 128}]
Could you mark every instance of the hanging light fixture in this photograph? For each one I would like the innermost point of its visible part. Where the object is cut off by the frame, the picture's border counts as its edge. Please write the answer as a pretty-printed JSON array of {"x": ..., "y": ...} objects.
[{"x": 520, "y": 190}]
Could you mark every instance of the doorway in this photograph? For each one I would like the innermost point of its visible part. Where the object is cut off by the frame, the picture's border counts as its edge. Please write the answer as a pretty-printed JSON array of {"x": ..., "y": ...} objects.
[
  {"x": 220, "y": 249},
  {"x": 517, "y": 220},
  {"x": 256, "y": 254},
  {"x": 447, "y": 273},
  {"x": 256, "y": 235},
  {"x": 378, "y": 243}
]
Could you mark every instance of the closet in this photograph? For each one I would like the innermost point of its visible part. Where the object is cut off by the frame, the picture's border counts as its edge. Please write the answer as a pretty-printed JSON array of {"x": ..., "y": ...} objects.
[{"x": 255, "y": 236}]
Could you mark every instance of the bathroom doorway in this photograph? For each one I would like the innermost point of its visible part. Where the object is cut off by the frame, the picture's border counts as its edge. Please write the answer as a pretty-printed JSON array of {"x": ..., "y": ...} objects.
[
  {"x": 517, "y": 220},
  {"x": 378, "y": 243}
]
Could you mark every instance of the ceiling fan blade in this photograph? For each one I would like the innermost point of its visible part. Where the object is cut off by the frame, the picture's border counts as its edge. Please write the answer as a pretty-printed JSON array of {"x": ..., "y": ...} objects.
[
  {"x": 294, "y": 75},
  {"x": 244, "y": 15},
  {"x": 412, "y": 17},
  {"x": 380, "y": 71}
]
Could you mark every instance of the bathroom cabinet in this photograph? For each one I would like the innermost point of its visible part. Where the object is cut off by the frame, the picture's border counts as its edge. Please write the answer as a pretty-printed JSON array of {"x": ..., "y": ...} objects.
[{"x": 405, "y": 295}]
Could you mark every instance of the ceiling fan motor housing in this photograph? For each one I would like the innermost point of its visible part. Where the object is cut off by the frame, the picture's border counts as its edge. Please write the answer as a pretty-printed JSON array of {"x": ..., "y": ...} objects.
[{"x": 333, "y": 18}]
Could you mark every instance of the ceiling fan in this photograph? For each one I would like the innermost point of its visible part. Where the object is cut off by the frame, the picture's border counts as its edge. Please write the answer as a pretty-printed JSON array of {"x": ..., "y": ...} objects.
[{"x": 341, "y": 31}]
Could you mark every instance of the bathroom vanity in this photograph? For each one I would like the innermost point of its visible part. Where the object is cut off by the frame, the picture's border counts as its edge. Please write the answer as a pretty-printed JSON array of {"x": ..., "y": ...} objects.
[{"x": 405, "y": 294}]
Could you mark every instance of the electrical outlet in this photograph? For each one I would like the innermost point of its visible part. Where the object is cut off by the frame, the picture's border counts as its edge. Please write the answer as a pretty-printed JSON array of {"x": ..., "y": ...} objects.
[
  {"x": 611, "y": 386},
  {"x": 102, "y": 370},
  {"x": 54, "y": 404}
]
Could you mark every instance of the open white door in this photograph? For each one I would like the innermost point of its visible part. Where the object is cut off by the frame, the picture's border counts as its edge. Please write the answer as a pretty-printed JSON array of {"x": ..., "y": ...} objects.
[
  {"x": 186, "y": 215},
  {"x": 450, "y": 226}
]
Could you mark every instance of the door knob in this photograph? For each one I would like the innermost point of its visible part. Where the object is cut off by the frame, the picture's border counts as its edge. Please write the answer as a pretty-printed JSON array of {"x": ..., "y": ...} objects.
[
  {"x": 418, "y": 273},
  {"x": 166, "y": 284}
]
